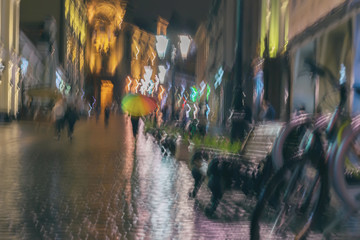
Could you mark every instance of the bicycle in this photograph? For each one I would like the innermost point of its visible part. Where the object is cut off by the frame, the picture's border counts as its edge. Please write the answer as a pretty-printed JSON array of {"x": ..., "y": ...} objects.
[{"x": 302, "y": 182}]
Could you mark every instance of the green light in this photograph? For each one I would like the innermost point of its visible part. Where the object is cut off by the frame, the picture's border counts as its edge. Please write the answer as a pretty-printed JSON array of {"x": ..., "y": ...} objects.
[
  {"x": 194, "y": 94},
  {"x": 67, "y": 90},
  {"x": 208, "y": 92}
]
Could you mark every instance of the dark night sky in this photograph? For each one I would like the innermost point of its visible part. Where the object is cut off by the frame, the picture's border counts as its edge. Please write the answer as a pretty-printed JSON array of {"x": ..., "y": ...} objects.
[{"x": 190, "y": 12}]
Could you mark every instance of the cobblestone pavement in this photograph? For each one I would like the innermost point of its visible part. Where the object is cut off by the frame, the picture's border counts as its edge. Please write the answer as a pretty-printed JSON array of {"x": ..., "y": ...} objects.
[{"x": 101, "y": 185}]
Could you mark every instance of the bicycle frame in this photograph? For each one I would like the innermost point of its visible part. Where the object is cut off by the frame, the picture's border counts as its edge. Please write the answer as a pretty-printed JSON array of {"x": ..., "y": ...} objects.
[{"x": 337, "y": 169}]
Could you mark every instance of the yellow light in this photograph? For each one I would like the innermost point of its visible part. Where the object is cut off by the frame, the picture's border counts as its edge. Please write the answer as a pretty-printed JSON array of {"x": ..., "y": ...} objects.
[
  {"x": 105, "y": 18},
  {"x": 67, "y": 6},
  {"x": 91, "y": 13},
  {"x": 137, "y": 85},
  {"x": 129, "y": 83},
  {"x": 74, "y": 52},
  {"x": 153, "y": 59},
  {"x": 69, "y": 46},
  {"x": 72, "y": 11},
  {"x": 83, "y": 32},
  {"x": 162, "y": 90},
  {"x": 81, "y": 60},
  {"x": 138, "y": 51},
  {"x": 92, "y": 62}
]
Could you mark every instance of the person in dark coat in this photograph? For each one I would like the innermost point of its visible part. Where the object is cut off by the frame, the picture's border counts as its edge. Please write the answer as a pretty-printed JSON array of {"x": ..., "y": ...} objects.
[
  {"x": 135, "y": 125},
  {"x": 107, "y": 114},
  {"x": 71, "y": 117},
  {"x": 268, "y": 111}
]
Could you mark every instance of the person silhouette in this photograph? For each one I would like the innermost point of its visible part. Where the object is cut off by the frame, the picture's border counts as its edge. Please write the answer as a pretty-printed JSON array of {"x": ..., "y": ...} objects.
[{"x": 135, "y": 125}]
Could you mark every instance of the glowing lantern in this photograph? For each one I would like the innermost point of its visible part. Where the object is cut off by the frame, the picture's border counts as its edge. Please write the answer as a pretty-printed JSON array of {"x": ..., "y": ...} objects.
[
  {"x": 162, "y": 72},
  {"x": 185, "y": 41},
  {"x": 161, "y": 45}
]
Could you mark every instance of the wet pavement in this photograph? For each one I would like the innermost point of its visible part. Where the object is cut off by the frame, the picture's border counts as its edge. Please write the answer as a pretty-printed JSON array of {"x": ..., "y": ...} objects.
[{"x": 101, "y": 186}]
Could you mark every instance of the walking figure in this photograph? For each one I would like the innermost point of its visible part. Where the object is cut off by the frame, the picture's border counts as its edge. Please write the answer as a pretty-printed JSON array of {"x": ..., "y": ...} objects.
[
  {"x": 107, "y": 114},
  {"x": 268, "y": 113},
  {"x": 58, "y": 113},
  {"x": 135, "y": 124},
  {"x": 71, "y": 117}
]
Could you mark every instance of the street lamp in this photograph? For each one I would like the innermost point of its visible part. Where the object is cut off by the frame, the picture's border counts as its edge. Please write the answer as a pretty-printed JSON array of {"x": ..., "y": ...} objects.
[
  {"x": 161, "y": 46},
  {"x": 185, "y": 41}
]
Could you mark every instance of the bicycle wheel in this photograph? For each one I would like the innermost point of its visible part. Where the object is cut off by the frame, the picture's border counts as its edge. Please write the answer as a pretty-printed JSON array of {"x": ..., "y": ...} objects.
[
  {"x": 346, "y": 170},
  {"x": 289, "y": 204},
  {"x": 288, "y": 142}
]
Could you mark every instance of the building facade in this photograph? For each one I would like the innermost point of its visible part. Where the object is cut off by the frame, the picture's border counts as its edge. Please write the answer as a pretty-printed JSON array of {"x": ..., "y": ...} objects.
[
  {"x": 272, "y": 59},
  {"x": 216, "y": 48},
  {"x": 229, "y": 42},
  {"x": 65, "y": 23},
  {"x": 74, "y": 38},
  {"x": 121, "y": 57},
  {"x": 9, "y": 58},
  {"x": 324, "y": 49}
]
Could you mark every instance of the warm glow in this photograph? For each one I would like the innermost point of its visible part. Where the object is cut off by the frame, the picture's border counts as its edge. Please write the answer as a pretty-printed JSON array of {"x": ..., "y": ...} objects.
[
  {"x": 185, "y": 41},
  {"x": 81, "y": 60},
  {"x": 137, "y": 51},
  {"x": 137, "y": 85},
  {"x": 106, "y": 93},
  {"x": 162, "y": 90},
  {"x": 68, "y": 46},
  {"x": 106, "y": 18},
  {"x": 128, "y": 83},
  {"x": 74, "y": 51},
  {"x": 114, "y": 59},
  {"x": 153, "y": 58},
  {"x": 103, "y": 41},
  {"x": 67, "y": 6}
]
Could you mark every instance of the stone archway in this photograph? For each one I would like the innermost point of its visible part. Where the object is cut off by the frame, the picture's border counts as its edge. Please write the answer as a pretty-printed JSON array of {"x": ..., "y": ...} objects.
[{"x": 106, "y": 93}]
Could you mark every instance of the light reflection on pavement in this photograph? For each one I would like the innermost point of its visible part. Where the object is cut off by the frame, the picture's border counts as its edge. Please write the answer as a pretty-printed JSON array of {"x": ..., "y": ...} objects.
[{"x": 100, "y": 186}]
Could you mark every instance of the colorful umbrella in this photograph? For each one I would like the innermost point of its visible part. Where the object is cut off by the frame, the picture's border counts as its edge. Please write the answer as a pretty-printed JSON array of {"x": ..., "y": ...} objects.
[{"x": 138, "y": 105}]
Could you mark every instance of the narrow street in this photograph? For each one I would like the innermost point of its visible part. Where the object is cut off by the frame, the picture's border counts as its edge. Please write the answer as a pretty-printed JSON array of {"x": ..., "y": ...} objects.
[{"x": 99, "y": 186}]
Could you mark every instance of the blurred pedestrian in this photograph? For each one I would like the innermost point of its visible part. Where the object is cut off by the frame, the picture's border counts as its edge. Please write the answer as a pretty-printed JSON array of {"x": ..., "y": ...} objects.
[
  {"x": 135, "y": 125},
  {"x": 268, "y": 113},
  {"x": 71, "y": 116},
  {"x": 165, "y": 112},
  {"x": 58, "y": 113},
  {"x": 106, "y": 114},
  {"x": 97, "y": 113}
]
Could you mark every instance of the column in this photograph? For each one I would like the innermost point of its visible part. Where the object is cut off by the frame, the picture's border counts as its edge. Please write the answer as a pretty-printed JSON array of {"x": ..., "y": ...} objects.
[
  {"x": 5, "y": 30},
  {"x": 16, "y": 49}
]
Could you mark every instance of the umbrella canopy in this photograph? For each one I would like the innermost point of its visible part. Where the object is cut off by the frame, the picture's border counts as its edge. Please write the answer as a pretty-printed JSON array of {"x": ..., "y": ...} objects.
[{"x": 138, "y": 105}]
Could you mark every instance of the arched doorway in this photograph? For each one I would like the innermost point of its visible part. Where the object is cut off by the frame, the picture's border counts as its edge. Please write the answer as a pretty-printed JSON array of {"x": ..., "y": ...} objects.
[{"x": 106, "y": 93}]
